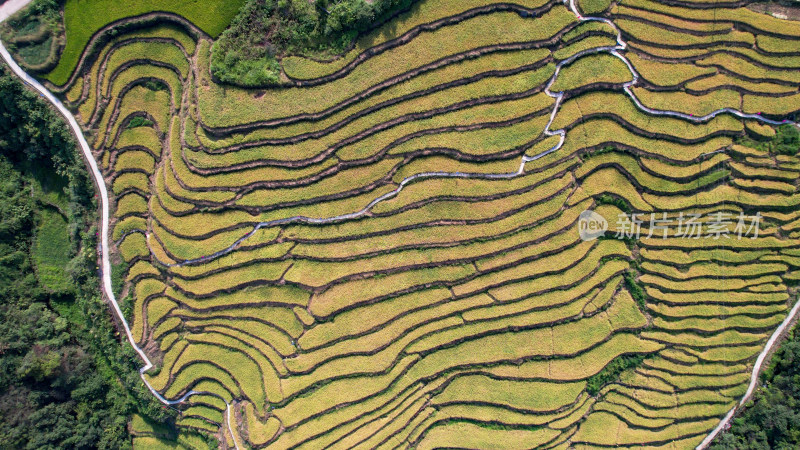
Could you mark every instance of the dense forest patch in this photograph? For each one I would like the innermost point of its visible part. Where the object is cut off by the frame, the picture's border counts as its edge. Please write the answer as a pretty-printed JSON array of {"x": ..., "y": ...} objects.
[
  {"x": 772, "y": 419},
  {"x": 65, "y": 380}
]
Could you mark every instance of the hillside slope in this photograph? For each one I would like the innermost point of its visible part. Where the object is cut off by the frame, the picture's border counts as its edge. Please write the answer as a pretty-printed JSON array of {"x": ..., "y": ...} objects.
[{"x": 385, "y": 252}]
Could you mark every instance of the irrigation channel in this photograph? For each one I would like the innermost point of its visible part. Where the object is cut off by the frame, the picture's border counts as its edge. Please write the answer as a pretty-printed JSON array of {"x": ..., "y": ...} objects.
[{"x": 14, "y": 5}]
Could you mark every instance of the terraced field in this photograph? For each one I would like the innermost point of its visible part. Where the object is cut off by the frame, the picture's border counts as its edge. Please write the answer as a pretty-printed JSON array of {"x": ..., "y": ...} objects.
[{"x": 384, "y": 251}]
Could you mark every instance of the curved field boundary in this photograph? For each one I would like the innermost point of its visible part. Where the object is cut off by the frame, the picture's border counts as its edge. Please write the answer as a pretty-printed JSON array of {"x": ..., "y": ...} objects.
[
  {"x": 102, "y": 37},
  {"x": 102, "y": 96},
  {"x": 739, "y": 25},
  {"x": 372, "y": 130},
  {"x": 389, "y": 83},
  {"x": 561, "y": 133},
  {"x": 419, "y": 29},
  {"x": 721, "y": 69},
  {"x": 707, "y": 5},
  {"x": 532, "y": 67},
  {"x": 105, "y": 251}
]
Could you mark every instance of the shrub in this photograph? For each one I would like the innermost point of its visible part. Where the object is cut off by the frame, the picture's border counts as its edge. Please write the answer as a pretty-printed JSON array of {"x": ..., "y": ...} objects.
[
  {"x": 607, "y": 199},
  {"x": 155, "y": 85},
  {"x": 612, "y": 371},
  {"x": 785, "y": 142},
  {"x": 139, "y": 121},
  {"x": 64, "y": 368},
  {"x": 635, "y": 289}
]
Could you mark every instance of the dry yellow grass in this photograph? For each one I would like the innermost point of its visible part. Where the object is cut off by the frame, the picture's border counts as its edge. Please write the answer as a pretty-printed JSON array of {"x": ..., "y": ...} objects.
[
  {"x": 697, "y": 105},
  {"x": 130, "y": 180},
  {"x": 599, "y": 68},
  {"x": 477, "y": 437},
  {"x": 665, "y": 74},
  {"x": 136, "y": 160}
]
